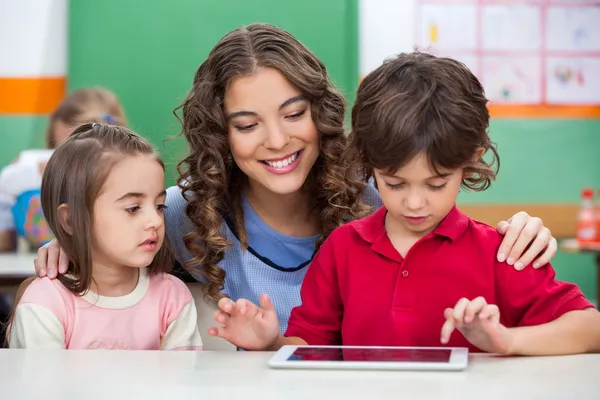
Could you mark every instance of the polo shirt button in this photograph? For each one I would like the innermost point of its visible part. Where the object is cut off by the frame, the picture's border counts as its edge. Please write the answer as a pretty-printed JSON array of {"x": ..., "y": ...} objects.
[{"x": 405, "y": 273}]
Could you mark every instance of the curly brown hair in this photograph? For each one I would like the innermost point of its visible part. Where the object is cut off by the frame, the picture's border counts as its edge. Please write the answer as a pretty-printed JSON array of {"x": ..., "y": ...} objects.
[
  {"x": 212, "y": 183},
  {"x": 418, "y": 103}
]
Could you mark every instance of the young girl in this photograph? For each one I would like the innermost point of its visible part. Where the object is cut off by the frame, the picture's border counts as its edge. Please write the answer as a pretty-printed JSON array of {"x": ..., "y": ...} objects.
[
  {"x": 103, "y": 196},
  {"x": 20, "y": 182},
  {"x": 264, "y": 183},
  {"x": 418, "y": 268}
]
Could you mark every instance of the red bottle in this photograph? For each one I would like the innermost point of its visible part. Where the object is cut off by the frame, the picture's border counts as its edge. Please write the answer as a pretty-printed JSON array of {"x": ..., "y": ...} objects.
[
  {"x": 597, "y": 217},
  {"x": 586, "y": 221}
]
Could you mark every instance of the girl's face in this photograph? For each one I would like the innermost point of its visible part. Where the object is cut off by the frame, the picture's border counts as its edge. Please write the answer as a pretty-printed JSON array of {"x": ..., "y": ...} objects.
[
  {"x": 61, "y": 131},
  {"x": 272, "y": 136},
  {"x": 128, "y": 220}
]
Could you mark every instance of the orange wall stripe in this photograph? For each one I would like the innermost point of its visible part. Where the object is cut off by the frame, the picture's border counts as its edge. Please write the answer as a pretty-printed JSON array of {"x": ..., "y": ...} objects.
[
  {"x": 31, "y": 95},
  {"x": 544, "y": 111}
]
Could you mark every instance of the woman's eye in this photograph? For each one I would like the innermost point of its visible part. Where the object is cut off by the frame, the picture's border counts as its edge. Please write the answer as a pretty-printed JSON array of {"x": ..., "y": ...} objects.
[
  {"x": 245, "y": 128},
  {"x": 296, "y": 115}
]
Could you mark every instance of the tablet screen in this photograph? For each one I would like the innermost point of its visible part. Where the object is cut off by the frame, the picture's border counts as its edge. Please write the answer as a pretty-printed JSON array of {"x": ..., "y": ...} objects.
[{"x": 370, "y": 354}]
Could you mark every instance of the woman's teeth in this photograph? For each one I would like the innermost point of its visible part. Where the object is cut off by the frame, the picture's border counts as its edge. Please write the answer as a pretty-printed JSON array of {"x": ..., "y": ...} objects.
[{"x": 282, "y": 163}]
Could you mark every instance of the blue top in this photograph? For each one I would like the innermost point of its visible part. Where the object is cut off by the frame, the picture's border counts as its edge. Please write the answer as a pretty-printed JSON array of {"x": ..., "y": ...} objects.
[
  {"x": 283, "y": 251},
  {"x": 274, "y": 264}
]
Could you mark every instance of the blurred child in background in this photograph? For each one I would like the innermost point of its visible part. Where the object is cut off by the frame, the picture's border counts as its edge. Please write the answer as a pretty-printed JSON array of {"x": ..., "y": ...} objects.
[
  {"x": 20, "y": 209},
  {"x": 20, "y": 206}
]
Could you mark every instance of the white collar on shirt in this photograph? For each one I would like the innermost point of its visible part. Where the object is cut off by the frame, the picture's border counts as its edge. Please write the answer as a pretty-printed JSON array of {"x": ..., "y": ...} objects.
[{"x": 121, "y": 302}]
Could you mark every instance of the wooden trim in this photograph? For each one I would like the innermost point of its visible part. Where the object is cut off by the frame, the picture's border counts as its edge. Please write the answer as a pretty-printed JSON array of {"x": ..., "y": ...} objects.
[{"x": 560, "y": 218}]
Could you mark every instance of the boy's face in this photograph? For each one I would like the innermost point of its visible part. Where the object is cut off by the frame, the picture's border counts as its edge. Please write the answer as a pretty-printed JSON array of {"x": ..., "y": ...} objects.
[{"x": 416, "y": 197}]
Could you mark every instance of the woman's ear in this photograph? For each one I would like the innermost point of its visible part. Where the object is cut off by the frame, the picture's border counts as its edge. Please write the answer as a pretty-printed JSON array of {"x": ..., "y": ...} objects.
[{"x": 64, "y": 218}]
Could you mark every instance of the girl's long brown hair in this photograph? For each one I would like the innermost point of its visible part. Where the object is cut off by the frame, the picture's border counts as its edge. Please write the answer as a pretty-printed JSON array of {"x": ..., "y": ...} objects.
[
  {"x": 74, "y": 176},
  {"x": 211, "y": 181}
]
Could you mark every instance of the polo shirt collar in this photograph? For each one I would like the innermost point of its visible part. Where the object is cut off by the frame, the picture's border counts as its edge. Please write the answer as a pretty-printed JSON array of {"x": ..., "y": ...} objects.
[
  {"x": 372, "y": 230},
  {"x": 453, "y": 225}
]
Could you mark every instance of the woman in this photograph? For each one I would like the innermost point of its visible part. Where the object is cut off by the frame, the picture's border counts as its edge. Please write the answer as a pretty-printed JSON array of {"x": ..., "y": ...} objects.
[{"x": 264, "y": 183}]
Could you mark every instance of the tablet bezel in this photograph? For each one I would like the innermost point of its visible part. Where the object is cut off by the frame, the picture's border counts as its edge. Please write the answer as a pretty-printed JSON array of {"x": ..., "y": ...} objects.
[{"x": 459, "y": 359}]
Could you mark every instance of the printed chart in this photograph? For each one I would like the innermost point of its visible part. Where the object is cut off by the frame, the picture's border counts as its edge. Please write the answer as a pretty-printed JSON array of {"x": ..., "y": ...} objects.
[{"x": 535, "y": 58}]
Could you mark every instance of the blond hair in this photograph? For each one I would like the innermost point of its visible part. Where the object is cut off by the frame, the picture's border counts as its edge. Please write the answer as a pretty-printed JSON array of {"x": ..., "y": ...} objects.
[{"x": 86, "y": 105}]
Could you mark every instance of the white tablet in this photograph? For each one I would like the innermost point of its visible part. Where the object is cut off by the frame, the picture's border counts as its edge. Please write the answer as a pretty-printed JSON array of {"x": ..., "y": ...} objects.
[{"x": 357, "y": 357}]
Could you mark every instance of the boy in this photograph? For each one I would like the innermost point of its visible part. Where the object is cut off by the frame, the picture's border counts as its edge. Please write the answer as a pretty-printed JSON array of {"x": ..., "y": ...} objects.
[{"x": 418, "y": 268}]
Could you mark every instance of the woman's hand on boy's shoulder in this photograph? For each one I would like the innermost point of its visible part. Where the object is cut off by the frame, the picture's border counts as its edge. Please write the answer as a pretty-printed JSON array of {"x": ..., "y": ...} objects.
[{"x": 526, "y": 241}]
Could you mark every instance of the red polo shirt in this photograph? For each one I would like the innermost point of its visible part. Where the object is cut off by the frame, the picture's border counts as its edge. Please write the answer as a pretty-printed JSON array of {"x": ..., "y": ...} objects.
[{"x": 359, "y": 291}]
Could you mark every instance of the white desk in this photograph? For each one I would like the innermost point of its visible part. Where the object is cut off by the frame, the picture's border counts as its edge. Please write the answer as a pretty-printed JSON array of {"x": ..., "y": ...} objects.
[
  {"x": 14, "y": 267},
  {"x": 116, "y": 375}
]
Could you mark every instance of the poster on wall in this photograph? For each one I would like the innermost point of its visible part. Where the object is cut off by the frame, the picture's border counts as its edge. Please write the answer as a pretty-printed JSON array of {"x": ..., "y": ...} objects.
[
  {"x": 573, "y": 80},
  {"x": 573, "y": 28},
  {"x": 448, "y": 27},
  {"x": 534, "y": 58},
  {"x": 511, "y": 79},
  {"x": 512, "y": 28}
]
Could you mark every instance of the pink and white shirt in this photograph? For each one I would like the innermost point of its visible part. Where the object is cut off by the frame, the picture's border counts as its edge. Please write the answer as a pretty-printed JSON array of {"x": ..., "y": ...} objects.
[{"x": 159, "y": 314}]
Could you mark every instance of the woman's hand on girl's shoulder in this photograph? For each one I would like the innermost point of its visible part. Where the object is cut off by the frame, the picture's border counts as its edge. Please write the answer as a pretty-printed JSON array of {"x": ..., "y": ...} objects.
[{"x": 51, "y": 260}]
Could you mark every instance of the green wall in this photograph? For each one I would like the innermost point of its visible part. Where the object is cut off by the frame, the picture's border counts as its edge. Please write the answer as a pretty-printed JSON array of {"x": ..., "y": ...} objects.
[
  {"x": 547, "y": 161},
  {"x": 543, "y": 161},
  {"x": 148, "y": 55},
  {"x": 19, "y": 133}
]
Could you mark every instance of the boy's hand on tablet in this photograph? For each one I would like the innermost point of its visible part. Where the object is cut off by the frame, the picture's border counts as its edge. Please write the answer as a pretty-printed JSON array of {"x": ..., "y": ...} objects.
[
  {"x": 479, "y": 323},
  {"x": 246, "y": 325}
]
